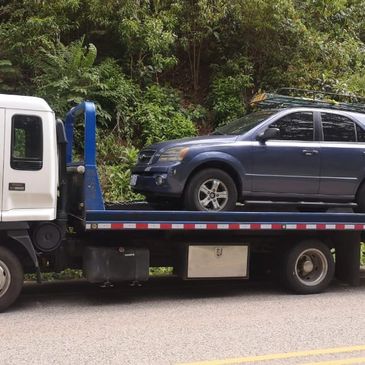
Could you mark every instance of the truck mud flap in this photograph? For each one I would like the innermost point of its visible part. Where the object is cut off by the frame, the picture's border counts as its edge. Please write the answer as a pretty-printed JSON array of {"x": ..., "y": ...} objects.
[
  {"x": 23, "y": 238},
  {"x": 347, "y": 245}
]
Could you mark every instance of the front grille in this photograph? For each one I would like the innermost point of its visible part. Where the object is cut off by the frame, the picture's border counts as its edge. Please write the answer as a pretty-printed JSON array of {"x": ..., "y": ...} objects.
[{"x": 145, "y": 156}]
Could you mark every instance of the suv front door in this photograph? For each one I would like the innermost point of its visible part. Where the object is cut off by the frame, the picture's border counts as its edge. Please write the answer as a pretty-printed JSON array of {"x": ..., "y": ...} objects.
[{"x": 290, "y": 163}]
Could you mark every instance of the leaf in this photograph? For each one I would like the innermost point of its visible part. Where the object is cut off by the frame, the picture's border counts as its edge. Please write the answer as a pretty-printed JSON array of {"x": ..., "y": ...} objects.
[{"x": 90, "y": 56}]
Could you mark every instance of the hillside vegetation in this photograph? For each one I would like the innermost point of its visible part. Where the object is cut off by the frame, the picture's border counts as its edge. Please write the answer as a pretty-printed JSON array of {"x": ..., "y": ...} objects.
[{"x": 162, "y": 69}]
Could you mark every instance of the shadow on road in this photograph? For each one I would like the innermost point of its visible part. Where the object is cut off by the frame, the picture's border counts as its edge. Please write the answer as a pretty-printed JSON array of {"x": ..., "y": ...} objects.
[{"x": 81, "y": 293}]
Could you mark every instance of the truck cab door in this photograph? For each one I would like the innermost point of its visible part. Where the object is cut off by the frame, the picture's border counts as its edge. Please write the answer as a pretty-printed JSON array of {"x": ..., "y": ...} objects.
[
  {"x": 30, "y": 166},
  {"x": 2, "y": 129}
]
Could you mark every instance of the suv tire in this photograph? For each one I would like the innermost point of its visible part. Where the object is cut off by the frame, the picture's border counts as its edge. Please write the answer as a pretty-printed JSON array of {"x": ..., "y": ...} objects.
[{"x": 210, "y": 190}]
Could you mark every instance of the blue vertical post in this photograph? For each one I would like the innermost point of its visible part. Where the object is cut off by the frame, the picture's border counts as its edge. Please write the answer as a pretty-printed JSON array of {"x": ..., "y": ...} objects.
[
  {"x": 92, "y": 190},
  {"x": 90, "y": 133}
]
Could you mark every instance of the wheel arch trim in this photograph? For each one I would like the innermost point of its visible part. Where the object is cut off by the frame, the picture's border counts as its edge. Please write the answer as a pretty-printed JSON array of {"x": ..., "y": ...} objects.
[{"x": 222, "y": 161}]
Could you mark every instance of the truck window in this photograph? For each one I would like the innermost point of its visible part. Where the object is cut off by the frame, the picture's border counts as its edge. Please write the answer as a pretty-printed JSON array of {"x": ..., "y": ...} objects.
[{"x": 26, "y": 143}]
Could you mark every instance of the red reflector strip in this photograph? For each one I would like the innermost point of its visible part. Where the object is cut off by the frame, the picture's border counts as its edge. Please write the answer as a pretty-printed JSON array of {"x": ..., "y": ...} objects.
[
  {"x": 255, "y": 227},
  {"x": 226, "y": 226}
]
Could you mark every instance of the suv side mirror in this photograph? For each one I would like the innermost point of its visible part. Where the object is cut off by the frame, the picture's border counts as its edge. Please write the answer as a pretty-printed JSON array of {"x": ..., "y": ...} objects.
[{"x": 267, "y": 134}]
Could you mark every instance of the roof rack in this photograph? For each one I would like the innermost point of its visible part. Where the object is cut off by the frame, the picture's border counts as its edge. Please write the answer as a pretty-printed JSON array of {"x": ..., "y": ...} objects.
[{"x": 292, "y": 97}]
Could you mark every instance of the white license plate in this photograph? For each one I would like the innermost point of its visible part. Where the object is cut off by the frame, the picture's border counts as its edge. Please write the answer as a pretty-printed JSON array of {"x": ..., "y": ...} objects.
[{"x": 133, "y": 180}]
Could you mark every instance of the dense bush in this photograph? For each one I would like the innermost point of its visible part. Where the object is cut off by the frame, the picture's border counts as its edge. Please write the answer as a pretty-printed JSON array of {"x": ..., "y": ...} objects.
[
  {"x": 228, "y": 88},
  {"x": 160, "y": 116},
  {"x": 114, "y": 162},
  {"x": 161, "y": 69}
]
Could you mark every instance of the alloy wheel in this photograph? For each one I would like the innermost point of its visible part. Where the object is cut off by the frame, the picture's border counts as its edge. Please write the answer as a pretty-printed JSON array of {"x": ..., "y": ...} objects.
[{"x": 213, "y": 195}]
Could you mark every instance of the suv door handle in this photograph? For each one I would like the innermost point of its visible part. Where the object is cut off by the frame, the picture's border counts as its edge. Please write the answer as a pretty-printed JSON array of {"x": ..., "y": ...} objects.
[{"x": 310, "y": 152}]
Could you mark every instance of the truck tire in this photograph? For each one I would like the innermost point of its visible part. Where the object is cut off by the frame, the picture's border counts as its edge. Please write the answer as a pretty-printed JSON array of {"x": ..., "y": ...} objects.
[
  {"x": 308, "y": 267},
  {"x": 11, "y": 278},
  {"x": 210, "y": 190}
]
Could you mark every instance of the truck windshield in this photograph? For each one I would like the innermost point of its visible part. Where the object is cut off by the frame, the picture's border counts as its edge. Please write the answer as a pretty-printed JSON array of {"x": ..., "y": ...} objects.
[{"x": 244, "y": 124}]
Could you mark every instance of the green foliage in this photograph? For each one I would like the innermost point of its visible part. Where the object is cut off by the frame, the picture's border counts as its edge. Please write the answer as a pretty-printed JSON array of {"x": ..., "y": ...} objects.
[
  {"x": 8, "y": 76},
  {"x": 228, "y": 90},
  {"x": 166, "y": 68},
  {"x": 161, "y": 271},
  {"x": 68, "y": 75},
  {"x": 115, "y": 183},
  {"x": 149, "y": 39},
  {"x": 68, "y": 274},
  {"x": 161, "y": 117},
  {"x": 201, "y": 25},
  {"x": 71, "y": 274},
  {"x": 355, "y": 84},
  {"x": 362, "y": 254},
  {"x": 115, "y": 161}
]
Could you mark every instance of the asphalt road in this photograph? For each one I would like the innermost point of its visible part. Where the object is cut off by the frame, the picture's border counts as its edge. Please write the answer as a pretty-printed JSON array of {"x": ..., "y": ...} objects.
[{"x": 171, "y": 322}]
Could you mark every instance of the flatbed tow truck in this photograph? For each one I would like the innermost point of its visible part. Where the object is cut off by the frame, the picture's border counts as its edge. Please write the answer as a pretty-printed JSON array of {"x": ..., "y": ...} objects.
[{"x": 53, "y": 217}]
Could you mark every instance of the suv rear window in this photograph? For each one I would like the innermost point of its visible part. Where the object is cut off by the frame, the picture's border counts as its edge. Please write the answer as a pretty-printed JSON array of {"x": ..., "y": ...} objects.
[{"x": 338, "y": 128}]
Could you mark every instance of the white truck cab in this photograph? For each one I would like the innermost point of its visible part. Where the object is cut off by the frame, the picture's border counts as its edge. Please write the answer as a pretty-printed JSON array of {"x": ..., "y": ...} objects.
[{"x": 28, "y": 159}]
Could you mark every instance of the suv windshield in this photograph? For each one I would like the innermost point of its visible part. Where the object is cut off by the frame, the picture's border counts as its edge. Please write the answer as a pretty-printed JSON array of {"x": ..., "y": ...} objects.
[{"x": 244, "y": 124}]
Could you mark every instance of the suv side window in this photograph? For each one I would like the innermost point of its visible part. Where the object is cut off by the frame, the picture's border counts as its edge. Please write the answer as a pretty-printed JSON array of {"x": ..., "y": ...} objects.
[
  {"x": 295, "y": 127},
  {"x": 337, "y": 128},
  {"x": 26, "y": 143},
  {"x": 360, "y": 134}
]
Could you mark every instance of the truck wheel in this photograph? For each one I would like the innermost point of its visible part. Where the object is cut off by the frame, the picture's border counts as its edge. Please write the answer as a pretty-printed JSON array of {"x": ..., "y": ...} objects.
[
  {"x": 11, "y": 278},
  {"x": 308, "y": 267},
  {"x": 210, "y": 190}
]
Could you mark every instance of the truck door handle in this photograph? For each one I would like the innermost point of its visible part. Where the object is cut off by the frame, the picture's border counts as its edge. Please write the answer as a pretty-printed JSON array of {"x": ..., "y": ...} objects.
[
  {"x": 310, "y": 152},
  {"x": 16, "y": 186}
]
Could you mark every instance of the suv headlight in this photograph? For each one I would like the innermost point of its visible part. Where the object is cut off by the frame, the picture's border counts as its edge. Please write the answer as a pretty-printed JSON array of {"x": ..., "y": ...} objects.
[{"x": 174, "y": 154}]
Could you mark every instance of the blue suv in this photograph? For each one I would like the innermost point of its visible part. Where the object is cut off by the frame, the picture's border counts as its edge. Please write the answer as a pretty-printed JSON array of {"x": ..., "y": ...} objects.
[{"x": 292, "y": 154}]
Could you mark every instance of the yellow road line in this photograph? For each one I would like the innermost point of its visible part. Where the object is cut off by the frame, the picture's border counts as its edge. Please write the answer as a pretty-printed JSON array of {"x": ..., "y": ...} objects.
[
  {"x": 286, "y": 355},
  {"x": 357, "y": 360}
]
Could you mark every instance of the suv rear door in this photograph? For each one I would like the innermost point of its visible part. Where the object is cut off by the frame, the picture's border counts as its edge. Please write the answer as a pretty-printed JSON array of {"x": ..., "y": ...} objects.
[{"x": 342, "y": 155}]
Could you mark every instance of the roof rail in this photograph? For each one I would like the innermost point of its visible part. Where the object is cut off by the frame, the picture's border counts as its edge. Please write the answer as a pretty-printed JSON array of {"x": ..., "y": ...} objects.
[{"x": 292, "y": 97}]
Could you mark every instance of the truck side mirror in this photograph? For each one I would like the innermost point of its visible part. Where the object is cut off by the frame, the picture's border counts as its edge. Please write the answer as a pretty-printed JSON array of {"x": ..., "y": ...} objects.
[{"x": 269, "y": 133}]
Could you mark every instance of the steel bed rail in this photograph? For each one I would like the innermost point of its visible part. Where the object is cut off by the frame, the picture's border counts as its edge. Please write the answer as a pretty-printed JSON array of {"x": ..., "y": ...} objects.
[{"x": 182, "y": 220}]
